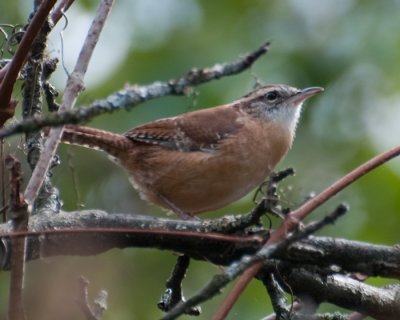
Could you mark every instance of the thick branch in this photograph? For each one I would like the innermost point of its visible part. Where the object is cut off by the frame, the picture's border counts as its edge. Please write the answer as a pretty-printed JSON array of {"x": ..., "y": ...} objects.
[
  {"x": 64, "y": 234},
  {"x": 101, "y": 232},
  {"x": 350, "y": 256},
  {"x": 343, "y": 291}
]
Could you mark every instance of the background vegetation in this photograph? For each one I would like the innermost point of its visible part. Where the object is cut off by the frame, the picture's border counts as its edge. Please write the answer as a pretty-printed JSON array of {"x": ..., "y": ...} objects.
[{"x": 352, "y": 48}]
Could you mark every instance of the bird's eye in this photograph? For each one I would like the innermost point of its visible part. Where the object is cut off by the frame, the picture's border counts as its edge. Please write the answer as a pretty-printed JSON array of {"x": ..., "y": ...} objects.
[{"x": 272, "y": 96}]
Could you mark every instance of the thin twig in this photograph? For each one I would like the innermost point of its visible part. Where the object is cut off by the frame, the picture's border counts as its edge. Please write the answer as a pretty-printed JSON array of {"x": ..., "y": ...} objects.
[
  {"x": 59, "y": 10},
  {"x": 50, "y": 92},
  {"x": 173, "y": 293},
  {"x": 134, "y": 95},
  {"x": 301, "y": 212},
  {"x": 96, "y": 311},
  {"x": 19, "y": 218},
  {"x": 277, "y": 296},
  {"x": 292, "y": 220},
  {"x": 73, "y": 88},
  {"x": 295, "y": 306},
  {"x": 3, "y": 180}
]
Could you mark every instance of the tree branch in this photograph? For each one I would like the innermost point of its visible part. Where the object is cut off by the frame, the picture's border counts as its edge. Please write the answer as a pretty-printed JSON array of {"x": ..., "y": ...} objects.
[
  {"x": 134, "y": 95},
  {"x": 343, "y": 291},
  {"x": 59, "y": 10},
  {"x": 19, "y": 222},
  {"x": 35, "y": 70},
  {"x": 64, "y": 233},
  {"x": 73, "y": 88},
  {"x": 96, "y": 311},
  {"x": 13, "y": 68},
  {"x": 237, "y": 268}
]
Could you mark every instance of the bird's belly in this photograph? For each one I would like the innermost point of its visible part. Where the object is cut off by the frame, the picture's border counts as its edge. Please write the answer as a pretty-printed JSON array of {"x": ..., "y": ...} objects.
[{"x": 197, "y": 182}]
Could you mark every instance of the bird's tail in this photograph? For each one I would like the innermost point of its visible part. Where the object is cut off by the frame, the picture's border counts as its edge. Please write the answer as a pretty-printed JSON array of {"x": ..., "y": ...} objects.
[{"x": 92, "y": 138}]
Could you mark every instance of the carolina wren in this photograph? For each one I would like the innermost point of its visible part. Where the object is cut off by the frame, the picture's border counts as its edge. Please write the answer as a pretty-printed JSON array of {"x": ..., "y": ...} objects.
[{"x": 203, "y": 160}]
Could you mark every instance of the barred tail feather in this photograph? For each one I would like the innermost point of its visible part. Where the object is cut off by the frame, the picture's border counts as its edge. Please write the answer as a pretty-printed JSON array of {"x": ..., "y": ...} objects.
[{"x": 112, "y": 143}]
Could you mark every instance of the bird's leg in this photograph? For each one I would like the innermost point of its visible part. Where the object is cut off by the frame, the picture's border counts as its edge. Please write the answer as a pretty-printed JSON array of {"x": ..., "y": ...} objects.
[
  {"x": 173, "y": 292},
  {"x": 179, "y": 212}
]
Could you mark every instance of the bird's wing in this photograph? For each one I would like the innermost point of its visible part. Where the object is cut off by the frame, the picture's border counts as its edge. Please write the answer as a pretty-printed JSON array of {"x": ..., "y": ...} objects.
[{"x": 200, "y": 130}]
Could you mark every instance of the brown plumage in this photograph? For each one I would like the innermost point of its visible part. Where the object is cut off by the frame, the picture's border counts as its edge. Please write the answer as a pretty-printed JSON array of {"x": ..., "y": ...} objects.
[{"x": 206, "y": 159}]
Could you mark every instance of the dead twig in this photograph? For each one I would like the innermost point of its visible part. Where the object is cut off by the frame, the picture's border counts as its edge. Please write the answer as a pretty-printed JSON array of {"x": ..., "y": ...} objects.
[
  {"x": 173, "y": 293},
  {"x": 19, "y": 217},
  {"x": 96, "y": 311}
]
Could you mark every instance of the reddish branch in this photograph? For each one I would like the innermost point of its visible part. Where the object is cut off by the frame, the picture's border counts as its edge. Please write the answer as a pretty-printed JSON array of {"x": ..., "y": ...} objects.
[
  {"x": 59, "y": 10},
  {"x": 293, "y": 219}
]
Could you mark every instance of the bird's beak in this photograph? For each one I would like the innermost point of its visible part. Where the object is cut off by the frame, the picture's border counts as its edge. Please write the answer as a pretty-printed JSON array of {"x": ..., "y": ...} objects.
[{"x": 304, "y": 94}]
